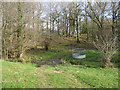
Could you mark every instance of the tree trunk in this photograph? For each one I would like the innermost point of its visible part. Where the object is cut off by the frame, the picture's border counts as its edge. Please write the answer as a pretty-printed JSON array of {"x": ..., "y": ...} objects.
[
  {"x": 119, "y": 26},
  {"x": 58, "y": 27},
  {"x": 106, "y": 60},
  {"x": 107, "y": 63},
  {"x": 47, "y": 25},
  {"x": 21, "y": 55},
  {"x": 50, "y": 24},
  {"x": 73, "y": 27},
  {"x": 19, "y": 28},
  {"x": 78, "y": 38},
  {"x": 67, "y": 26},
  {"x": 53, "y": 26},
  {"x": 87, "y": 35},
  {"x": 6, "y": 57},
  {"x": 46, "y": 47},
  {"x": 63, "y": 29}
]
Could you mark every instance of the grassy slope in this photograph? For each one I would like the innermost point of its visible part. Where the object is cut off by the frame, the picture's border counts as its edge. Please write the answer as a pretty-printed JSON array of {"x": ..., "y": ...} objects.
[
  {"x": 21, "y": 75},
  {"x": 56, "y": 48}
]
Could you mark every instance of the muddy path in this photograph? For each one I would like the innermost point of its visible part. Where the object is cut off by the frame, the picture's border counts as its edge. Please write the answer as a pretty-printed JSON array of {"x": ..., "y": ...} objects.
[{"x": 52, "y": 61}]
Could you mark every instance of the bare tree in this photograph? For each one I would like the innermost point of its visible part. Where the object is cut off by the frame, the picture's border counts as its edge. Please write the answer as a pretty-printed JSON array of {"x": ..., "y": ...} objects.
[
  {"x": 16, "y": 29},
  {"x": 96, "y": 12},
  {"x": 105, "y": 39},
  {"x": 35, "y": 23},
  {"x": 106, "y": 43}
]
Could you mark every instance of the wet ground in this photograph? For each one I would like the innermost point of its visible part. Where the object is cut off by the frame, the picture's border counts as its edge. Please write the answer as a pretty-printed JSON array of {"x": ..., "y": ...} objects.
[
  {"x": 49, "y": 62},
  {"x": 52, "y": 61}
]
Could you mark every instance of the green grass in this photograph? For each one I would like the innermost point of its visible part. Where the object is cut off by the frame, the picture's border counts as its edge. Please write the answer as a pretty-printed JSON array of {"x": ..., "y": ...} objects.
[
  {"x": 17, "y": 75},
  {"x": 93, "y": 59},
  {"x": 26, "y": 75},
  {"x": 96, "y": 77},
  {"x": 22, "y": 75},
  {"x": 46, "y": 54},
  {"x": 0, "y": 73},
  {"x": 55, "y": 49}
]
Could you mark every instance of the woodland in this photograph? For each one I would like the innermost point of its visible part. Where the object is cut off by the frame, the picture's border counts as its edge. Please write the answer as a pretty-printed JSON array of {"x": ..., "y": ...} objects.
[{"x": 37, "y": 40}]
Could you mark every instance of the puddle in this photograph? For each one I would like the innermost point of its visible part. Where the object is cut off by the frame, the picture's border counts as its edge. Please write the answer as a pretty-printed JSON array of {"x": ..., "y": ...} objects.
[{"x": 48, "y": 62}]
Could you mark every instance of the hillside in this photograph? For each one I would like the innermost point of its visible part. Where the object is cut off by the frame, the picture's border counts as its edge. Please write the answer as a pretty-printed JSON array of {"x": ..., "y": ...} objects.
[{"x": 22, "y": 75}]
